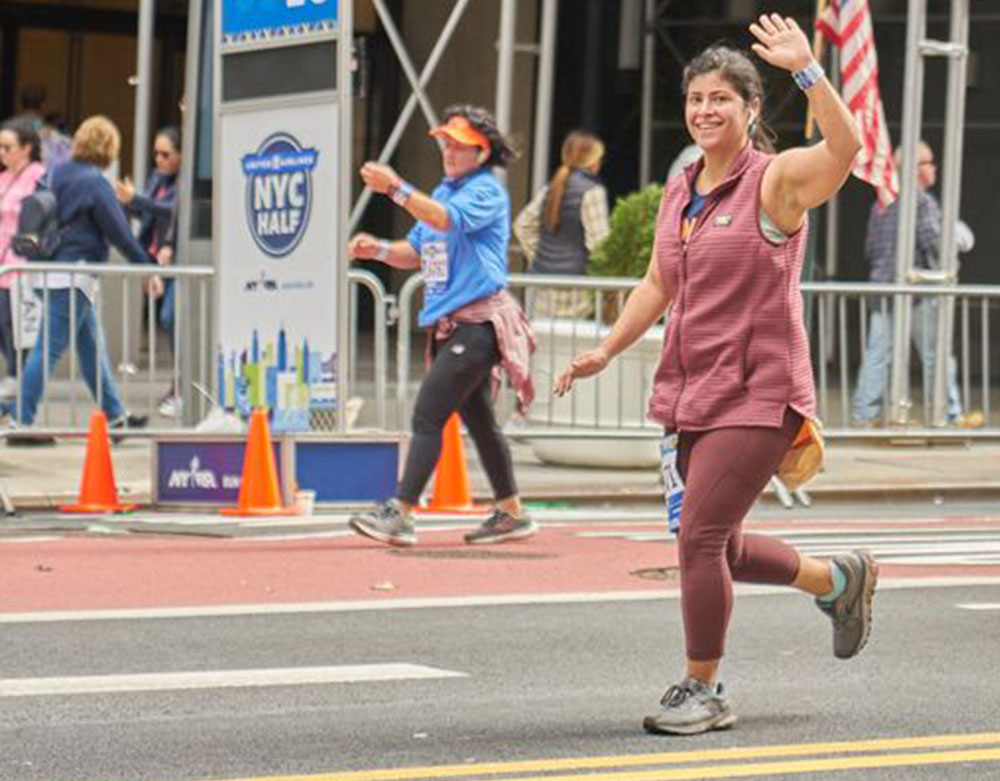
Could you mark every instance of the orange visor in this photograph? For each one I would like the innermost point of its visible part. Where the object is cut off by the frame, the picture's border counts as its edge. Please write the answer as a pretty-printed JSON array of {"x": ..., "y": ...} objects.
[{"x": 459, "y": 129}]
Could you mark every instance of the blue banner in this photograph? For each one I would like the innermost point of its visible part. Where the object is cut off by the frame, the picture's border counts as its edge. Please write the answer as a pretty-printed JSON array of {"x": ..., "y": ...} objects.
[
  {"x": 199, "y": 472},
  {"x": 252, "y": 20}
]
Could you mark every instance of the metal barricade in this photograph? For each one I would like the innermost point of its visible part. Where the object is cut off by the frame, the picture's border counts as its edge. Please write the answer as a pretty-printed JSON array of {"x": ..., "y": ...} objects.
[
  {"x": 80, "y": 315},
  {"x": 384, "y": 310},
  {"x": 613, "y": 404},
  {"x": 66, "y": 415},
  {"x": 845, "y": 316}
]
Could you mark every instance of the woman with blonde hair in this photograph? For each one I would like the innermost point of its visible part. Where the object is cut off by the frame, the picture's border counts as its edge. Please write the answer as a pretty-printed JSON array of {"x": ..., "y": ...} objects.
[
  {"x": 89, "y": 219},
  {"x": 564, "y": 223}
]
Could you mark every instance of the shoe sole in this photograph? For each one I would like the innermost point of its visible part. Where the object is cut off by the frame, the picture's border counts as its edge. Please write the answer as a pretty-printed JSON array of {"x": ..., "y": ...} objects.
[
  {"x": 868, "y": 585},
  {"x": 725, "y": 722},
  {"x": 516, "y": 534},
  {"x": 366, "y": 531}
]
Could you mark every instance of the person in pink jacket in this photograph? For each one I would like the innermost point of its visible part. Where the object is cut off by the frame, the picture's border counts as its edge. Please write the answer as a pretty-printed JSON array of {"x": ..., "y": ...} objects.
[
  {"x": 20, "y": 154},
  {"x": 734, "y": 386}
]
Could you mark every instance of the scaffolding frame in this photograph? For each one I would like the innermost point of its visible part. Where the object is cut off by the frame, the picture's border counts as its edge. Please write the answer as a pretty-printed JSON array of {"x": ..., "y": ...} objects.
[{"x": 507, "y": 47}]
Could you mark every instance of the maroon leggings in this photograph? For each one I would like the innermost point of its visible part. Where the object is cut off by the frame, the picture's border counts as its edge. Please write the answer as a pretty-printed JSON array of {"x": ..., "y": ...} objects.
[{"x": 724, "y": 470}]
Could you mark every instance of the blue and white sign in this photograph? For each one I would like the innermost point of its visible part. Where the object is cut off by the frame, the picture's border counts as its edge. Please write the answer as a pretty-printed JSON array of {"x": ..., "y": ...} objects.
[
  {"x": 265, "y": 20},
  {"x": 279, "y": 192},
  {"x": 278, "y": 277}
]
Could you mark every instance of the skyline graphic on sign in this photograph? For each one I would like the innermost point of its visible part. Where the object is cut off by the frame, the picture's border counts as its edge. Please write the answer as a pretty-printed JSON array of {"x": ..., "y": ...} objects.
[{"x": 294, "y": 383}]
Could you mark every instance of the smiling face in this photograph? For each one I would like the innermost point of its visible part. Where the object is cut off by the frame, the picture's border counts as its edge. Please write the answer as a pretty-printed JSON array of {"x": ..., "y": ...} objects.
[
  {"x": 458, "y": 159},
  {"x": 717, "y": 116}
]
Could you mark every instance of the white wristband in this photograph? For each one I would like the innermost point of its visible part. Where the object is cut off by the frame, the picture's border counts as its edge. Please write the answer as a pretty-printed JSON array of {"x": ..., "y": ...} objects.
[
  {"x": 384, "y": 250},
  {"x": 809, "y": 76},
  {"x": 401, "y": 193}
]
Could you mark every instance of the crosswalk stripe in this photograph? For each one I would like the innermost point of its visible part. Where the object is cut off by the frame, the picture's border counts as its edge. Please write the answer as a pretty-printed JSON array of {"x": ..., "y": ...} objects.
[
  {"x": 917, "y": 547},
  {"x": 905, "y": 746},
  {"x": 218, "y": 679}
]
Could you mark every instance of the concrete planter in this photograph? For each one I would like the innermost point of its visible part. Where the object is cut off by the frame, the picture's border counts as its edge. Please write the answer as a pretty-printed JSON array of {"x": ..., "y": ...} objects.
[{"x": 616, "y": 398}]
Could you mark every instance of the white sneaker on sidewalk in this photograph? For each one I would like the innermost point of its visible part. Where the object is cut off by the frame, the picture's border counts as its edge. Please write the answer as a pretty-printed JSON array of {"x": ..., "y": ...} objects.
[{"x": 171, "y": 406}]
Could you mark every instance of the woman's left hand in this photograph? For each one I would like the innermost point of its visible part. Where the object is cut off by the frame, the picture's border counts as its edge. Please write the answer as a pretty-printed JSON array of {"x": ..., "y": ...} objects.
[
  {"x": 378, "y": 177},
  {"x": 125, "y": 190},
  {"x": 781, "y": 42}
]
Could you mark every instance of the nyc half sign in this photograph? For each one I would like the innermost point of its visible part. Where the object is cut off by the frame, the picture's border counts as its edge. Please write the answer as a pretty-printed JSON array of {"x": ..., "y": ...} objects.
[{"x": 279, "y": 193}]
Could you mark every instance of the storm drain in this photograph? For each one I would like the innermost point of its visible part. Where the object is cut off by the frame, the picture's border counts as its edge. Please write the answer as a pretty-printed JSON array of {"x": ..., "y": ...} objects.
[
  {"x": 467, "y": 554},
  {"x": 672, "y": 574}
]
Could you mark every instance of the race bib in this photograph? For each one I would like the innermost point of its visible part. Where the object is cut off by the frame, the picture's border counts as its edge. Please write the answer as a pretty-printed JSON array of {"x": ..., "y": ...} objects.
[
  {"x": 673, "y": 485},
  {"x": 434, "y": 265}
]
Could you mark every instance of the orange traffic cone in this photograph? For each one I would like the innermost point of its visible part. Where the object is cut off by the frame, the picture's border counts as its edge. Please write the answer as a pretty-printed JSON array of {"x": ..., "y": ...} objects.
[
  {"x": 259, "y": 492},
  {"x": 451, "y": 478},
  {"x": 97, "y": 486}
]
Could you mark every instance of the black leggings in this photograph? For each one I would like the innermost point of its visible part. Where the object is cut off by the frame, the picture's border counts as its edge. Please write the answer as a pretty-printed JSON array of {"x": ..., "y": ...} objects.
[{"x": 459, "y": 379}]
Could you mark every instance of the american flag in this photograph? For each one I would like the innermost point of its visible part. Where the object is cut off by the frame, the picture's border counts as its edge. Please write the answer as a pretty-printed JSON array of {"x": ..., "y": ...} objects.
[{"x": 847, "y": 24}]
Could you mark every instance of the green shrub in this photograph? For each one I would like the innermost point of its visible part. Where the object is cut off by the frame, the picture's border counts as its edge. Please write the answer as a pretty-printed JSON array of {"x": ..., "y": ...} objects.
[{"x": 626, "y": 249}]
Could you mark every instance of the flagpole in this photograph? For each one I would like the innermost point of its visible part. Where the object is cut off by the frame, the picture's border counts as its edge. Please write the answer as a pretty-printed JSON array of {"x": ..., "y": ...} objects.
[{"x": 818, "y": 55}]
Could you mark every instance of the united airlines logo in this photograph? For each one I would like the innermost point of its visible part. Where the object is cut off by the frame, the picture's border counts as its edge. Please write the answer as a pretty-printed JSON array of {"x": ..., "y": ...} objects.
[{"x": 279, "y": 193}]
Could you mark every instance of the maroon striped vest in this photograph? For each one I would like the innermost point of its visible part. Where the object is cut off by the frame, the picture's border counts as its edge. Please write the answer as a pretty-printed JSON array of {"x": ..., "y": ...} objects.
[{"x": 735, "y": 351}]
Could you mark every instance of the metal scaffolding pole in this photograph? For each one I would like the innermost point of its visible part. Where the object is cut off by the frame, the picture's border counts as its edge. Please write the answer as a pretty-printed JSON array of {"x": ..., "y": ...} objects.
[
  {"x": 189, "y": 123},
  {"x": 505, "y": 67},
  {"x": 648, "y": 91},
  {"x": 543, "y": 95},
  {"x": 957, "y": 50},
  {"x": 345, "y": 131},
  {"x": 143, "y": 91},
  {"x": 913, "y": 99}
]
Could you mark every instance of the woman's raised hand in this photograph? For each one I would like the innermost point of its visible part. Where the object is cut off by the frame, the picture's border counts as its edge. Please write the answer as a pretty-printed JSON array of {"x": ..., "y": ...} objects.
[
  {"x": 378, "y": 177},
  {"x": 781, "y": 42},
  {"x": 586, "y": 364}
]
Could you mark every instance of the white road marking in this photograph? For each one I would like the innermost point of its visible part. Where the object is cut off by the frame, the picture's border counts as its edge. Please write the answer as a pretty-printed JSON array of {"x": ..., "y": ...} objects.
[
  {"x": 219, "y": 679},
  {"x": 979, "y": 606},
  {"x": 485, "y": 600},
  {"x": 954, "y": 546}
]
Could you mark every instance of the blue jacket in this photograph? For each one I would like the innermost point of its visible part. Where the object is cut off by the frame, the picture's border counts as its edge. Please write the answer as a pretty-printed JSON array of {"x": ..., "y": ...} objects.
[
  {"x": 90, "y": 216},
  {"x": 155, "y": 209}
]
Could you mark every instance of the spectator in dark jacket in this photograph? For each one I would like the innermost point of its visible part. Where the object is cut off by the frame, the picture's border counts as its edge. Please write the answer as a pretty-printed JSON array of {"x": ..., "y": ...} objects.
[
  {"x": 156, "y": 208},
  {"x": 90, "y": 218}
]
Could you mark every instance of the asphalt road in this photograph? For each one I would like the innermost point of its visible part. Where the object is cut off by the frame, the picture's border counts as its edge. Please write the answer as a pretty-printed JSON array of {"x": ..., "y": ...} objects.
[
  {"x": 537, "y": 661},
  {"x": 540, "y": 681}
]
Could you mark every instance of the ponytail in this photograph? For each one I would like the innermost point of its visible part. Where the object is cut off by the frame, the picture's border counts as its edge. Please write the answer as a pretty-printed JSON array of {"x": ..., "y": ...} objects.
[
  {"x": 579, "y": 150},
  {"x": 554, "y": 198}
]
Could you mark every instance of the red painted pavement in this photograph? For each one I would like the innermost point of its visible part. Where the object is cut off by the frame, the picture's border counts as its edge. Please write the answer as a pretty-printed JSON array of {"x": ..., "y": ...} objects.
[{"x": 138, "y": 572}]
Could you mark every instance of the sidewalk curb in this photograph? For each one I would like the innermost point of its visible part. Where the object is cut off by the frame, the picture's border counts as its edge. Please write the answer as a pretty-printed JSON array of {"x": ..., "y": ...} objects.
[{"x": 839, "y": 494}]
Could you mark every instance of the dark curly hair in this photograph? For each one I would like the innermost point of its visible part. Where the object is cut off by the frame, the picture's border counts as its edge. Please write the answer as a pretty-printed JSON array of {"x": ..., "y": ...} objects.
[
  {"x": 739, "y": 70},
  {"x": 502, "y": 151}
]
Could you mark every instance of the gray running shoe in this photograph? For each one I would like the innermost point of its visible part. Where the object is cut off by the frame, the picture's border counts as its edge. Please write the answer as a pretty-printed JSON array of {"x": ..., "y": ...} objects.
[
  {"x": 851, "y": 612},
  {"x": 691, "y": 707},
  {"x": 500, "y": 527},
  {"x": 386, "y": 524}
]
